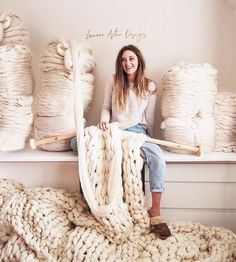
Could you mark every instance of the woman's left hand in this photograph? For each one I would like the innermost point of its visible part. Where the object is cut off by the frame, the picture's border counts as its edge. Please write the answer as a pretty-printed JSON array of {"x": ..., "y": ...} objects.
[{"x": 103, "y": 126}]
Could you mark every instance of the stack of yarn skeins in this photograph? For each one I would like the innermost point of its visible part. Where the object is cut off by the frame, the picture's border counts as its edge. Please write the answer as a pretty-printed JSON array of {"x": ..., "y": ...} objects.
[
  {"x": 189, "y": 92},
  {"x": 54, "y": 105},
  {"x": 16, "y": 85}
]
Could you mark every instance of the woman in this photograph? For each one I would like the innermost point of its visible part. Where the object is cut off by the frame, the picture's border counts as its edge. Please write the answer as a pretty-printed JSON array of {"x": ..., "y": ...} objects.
[{"x": 131, "y": 97}]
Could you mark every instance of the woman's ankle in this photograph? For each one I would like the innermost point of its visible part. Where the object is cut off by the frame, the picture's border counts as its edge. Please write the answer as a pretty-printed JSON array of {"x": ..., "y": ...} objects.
[{"x": 154, "y": 212}]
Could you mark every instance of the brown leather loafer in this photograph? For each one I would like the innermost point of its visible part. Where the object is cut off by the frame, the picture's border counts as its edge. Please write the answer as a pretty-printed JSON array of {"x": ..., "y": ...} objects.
[{"x": 161, "y": 230}]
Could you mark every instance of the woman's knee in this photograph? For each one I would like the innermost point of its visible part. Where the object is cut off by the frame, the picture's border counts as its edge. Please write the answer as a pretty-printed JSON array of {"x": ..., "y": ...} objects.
[
  {"x": 158, "y": 162},
  {"x": 156, "y": 159}
]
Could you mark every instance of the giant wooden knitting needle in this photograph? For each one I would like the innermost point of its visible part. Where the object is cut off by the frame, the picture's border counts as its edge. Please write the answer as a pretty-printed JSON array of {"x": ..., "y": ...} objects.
[
  {"x": 195, "y": 150},
  {"x": 34, "y": 143}
]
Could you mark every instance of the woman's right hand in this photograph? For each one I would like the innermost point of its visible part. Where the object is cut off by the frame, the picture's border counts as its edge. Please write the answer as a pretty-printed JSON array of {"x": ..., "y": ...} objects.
[{"x": 103, "y": 126}]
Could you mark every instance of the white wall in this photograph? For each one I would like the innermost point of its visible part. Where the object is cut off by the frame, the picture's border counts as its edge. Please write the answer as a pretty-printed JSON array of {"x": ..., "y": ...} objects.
[{"x": 197, "y": 31}]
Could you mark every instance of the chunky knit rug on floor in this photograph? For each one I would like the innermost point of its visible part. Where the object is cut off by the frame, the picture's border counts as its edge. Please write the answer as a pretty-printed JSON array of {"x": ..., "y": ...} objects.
[{"x": 46, "y": 224}]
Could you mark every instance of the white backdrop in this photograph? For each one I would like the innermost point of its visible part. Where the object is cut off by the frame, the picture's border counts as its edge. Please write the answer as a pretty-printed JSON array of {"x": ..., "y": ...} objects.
[{"x": 167, "y": 31}]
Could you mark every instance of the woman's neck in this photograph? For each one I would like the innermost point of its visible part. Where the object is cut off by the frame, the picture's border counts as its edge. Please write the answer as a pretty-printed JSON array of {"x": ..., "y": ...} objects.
[{"x": 131, "y": 77}]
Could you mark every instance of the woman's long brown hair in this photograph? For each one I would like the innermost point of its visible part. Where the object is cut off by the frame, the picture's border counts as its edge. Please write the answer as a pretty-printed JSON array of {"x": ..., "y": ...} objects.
[{"x": 121, "y": 87}]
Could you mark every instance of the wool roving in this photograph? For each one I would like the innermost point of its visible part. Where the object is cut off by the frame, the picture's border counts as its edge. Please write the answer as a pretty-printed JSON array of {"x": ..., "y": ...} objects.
[
  {"x": 189, "y": 92},
  {"x": 16, "y": 85},
  {"x": 12, "y": 30},
  {"x": 54, "y": 103},
  {"x": 225, "y": 117}
]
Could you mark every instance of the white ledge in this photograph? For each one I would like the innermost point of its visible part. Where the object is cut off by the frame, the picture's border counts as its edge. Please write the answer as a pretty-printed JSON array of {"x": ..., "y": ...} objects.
[{"x": 29, "y": 155}]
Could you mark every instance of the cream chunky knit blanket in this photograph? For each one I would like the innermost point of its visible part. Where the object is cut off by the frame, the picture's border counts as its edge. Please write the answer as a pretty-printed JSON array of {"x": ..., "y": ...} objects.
[{"x": 45, "y": 224}]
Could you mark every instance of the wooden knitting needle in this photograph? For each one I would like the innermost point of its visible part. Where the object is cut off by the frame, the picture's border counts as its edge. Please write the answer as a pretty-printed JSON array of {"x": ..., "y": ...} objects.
[
  {"x": 196, "y": 150},
  {"x": 34, "y": 143}
]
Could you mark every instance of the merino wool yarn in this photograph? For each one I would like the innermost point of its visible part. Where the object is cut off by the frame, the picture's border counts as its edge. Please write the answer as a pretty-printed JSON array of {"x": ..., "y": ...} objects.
[
  {"x": 46, "y": 224},
  {"x": 12, "y": 30},
  {"x": 54, "y": 103},
  {"x": 16, "y": 85},
  {"x": 225, "y": 117},
  {"x": 189, "y": 92}
]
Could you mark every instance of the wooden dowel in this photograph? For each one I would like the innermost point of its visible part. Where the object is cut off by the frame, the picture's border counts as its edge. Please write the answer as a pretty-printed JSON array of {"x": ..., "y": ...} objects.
[
  {"x": 34, "y": 143},
  {"x": 196, "y": 150}
]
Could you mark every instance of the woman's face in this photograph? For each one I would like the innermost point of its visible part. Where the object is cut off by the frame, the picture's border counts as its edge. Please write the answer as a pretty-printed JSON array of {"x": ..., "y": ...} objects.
[{"x": 129, "y": 62}]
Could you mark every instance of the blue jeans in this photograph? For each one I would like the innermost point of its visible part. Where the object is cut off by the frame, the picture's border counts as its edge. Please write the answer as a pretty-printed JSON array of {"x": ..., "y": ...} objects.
[{"x": 154, "y": 158}]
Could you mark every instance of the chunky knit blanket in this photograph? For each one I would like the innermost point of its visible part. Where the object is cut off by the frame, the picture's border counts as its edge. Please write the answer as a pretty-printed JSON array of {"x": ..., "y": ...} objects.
[{"x": 46, "y": 224}]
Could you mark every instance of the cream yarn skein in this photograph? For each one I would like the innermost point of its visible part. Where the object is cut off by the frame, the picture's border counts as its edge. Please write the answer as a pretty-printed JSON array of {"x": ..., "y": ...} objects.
[
  {"x": 12, "y": 30},
  {"x": 225, "y": 117},
  {"x": 54, "y": 103},
  {"x": 16, "y": 85},
  {"x": 189, "y": 92}
]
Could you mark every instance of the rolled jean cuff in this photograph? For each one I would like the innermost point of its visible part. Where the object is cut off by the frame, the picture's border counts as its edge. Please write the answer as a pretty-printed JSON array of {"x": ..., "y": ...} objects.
[{"x": 157, "y": 190}]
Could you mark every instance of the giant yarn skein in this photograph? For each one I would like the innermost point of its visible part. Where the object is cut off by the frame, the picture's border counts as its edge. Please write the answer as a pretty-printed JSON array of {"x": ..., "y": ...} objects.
[
  {"x": 54, "y": 103},
  {"x": 225, "y": 117},
  {"x": 189, "y": 92},
  {"x": 16, "y": 85}
]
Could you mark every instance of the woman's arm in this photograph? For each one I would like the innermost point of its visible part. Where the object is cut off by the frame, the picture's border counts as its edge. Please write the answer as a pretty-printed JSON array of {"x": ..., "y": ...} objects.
[
  {"x": 107, "y": 105},
  {"x": 150, "y": 109}
]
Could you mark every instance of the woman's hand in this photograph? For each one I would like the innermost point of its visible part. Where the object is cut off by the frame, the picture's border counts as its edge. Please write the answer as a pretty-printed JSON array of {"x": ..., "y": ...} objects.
[{"x": 103, "y": 126}]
